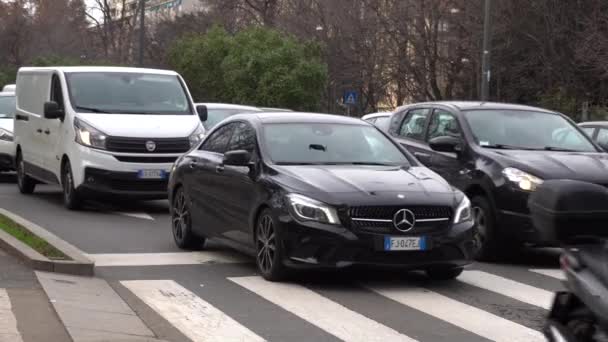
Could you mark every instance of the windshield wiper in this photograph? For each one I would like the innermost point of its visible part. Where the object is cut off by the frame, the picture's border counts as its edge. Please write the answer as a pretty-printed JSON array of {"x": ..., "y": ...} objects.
[
  {"x": 92, "y": 109},
  {"x": 505, "y": 147},
  {"x": 373, "y": 163},
  {"x": 559, "y": 149}
]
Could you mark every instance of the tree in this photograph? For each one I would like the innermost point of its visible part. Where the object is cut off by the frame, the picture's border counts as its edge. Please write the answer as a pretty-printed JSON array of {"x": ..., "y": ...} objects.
[{"x": 257, "y": 66}]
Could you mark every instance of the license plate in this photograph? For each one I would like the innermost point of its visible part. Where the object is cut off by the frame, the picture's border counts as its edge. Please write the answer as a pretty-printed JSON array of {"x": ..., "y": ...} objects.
[
  {"x": 151, "y": 174},
  {"x": 404, "y": 243}
]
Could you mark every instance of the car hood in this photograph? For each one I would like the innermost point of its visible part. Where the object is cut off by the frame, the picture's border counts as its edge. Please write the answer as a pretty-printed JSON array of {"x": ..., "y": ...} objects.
[
  {"x": 589, "y": 167},
  {"x": 7, "y": 124},
  {"x": 380, "y": 185},
  {"x": 143, "y": 126}
]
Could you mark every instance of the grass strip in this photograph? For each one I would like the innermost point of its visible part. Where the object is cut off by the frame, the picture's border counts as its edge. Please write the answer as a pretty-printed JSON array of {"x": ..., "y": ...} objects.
[{"x": 37, "y": 243}]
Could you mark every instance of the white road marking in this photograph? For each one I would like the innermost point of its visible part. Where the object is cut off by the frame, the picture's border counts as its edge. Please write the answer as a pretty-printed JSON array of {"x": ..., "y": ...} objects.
[
  {"x": 142, "y": 216},
  {"x": 321, "y": 311},
  {"x": 507, "y": 287},
  {"x": 195, "y": 318},
  {"x": 162, "y": 259},
  {"x": 459, "y": 314},
  {"x": 8, "y": 322},
  {"x": 553, "y": 273}
]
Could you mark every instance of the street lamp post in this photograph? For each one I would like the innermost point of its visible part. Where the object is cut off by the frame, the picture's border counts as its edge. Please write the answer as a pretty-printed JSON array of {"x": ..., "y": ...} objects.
[
  {"x": 142, "y": 31},
  {"x": 485, "y": 58}
]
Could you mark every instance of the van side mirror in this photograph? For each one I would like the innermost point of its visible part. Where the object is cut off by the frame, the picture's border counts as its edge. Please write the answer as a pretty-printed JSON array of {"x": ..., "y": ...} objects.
[
  {"x": 52, "y": 110},
  {"x": 202, "y": 112},
  {"x": 237, "y": 158},
  {"x": 446, "y": 144}
]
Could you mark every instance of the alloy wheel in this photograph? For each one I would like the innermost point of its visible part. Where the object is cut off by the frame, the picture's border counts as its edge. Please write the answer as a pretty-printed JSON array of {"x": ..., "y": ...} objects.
[
  {"x": 481, "y": 224},
  {"x": 180, "y": 217},
  {"x": 266, "y": 244}
]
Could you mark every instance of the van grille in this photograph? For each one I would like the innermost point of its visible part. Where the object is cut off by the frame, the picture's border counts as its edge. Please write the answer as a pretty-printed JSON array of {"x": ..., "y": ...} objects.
[{"x": 138, "y": 145}]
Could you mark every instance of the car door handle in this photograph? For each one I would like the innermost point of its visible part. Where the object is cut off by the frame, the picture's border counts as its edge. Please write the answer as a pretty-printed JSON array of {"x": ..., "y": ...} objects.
[
  {"x": 39, "y": 130},
  {"x": 219, "y": 168},
  {"x": 422, "y": 155},
  {"x": 47, "y": 132}
]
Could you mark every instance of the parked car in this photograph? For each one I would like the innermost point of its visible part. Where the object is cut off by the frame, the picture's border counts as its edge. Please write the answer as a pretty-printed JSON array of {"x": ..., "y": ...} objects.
[
  {"x": 598, "y": 131},
  {"x": 315, "y": 190},
  {"x": 381, "y": 120},
  {"x": 102, "y": 130},
  {"x": 498, "y": 154},
  {"x": 216, "y": 112},
  {"x": 7, "y": 147},
  {"x": 9, "y": 88}
]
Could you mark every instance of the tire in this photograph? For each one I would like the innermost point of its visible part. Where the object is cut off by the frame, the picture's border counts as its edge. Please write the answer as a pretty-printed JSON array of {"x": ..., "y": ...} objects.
[
  {"x": 71, "y": 198},
  {"x": 269, "y": 250},
  {"x": 181, "y": 223},
  {"x": 25, "y": 183},
  {"x": 491, "y": 246},
  {"x": 444, "y": 273}
]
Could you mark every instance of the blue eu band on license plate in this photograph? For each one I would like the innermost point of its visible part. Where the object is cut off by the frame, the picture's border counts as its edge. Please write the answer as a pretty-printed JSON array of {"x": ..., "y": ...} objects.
[{"x": 405, "y": 243}]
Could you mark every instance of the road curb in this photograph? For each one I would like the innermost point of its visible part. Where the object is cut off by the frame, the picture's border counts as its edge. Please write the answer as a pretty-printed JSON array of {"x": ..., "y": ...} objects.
[{"x": 79, "y": 265}]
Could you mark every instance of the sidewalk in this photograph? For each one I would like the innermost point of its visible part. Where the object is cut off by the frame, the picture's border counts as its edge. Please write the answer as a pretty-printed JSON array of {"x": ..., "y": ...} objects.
[{"x": 25, "y": 311}]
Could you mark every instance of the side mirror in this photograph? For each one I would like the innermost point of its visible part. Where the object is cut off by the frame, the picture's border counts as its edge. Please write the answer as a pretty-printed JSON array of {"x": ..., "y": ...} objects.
[
  {"x": 446, "y": 144},
  {"x": 202, "y": 112},
  {"x": 52, "y": 110},
  {"x": 237, "y": 158}
]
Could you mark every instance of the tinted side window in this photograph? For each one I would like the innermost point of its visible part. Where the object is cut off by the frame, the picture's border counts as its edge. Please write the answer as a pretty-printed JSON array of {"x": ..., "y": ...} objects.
[
  {"x": 602, "y": 136},
  {"x": 443, "y": 124},
  {"x": 218, "y": 141},
  {"x": 243, "y": 138},
  {"x": 414, "y": 124}
]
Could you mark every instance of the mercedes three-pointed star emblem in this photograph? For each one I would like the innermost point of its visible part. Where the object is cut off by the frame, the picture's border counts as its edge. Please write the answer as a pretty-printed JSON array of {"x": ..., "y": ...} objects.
[{"x": 404, "y": 220}]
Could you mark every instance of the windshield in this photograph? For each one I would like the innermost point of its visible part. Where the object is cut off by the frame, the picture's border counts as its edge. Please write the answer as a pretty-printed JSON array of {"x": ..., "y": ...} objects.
[
  {"x": 311, "y": 143},
  {"x": 127, "y": 93},
  {"x": 214, "y": 116},
  {"x": 7, "y": 106},
  {"x": 531, "y": 130}
]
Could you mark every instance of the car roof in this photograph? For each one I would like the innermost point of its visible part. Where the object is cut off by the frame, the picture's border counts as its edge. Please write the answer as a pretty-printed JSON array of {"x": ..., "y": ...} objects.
[
  {"x": 99, "y": 69},
  {"x": 472, "y": 105},
  {"x": 594, "y": 123},
  {"x": 228, "y": 106},
  {"x": 299, "y": 117},
  {"x": 376, "y": 115}
]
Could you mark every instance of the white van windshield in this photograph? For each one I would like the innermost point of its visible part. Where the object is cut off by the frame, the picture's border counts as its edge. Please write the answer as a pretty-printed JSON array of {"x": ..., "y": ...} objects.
[{"x": 127, "y": 93}]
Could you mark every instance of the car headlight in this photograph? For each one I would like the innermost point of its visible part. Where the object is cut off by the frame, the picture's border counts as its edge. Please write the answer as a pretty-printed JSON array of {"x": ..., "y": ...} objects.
[
  {"x": 523, "y": 180},
  {"x": 6, "y": 135},
  {"x": 197, "y": 135},
  {"x": 88, "y": 135},
  {"x": 308, "y": 209},
  {"x": 463, "y": 212}
]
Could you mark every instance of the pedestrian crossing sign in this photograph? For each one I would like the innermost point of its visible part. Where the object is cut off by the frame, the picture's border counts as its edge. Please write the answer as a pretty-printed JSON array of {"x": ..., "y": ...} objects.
[{"x": 350, "y": 98}]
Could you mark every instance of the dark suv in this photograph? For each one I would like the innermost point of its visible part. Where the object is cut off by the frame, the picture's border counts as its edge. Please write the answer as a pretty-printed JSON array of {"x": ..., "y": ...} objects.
[{"x": 497, "y": 154}]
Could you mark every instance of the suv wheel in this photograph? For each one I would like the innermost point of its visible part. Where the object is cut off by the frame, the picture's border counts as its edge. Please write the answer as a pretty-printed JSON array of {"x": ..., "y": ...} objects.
[
  {"x": 181, "y": 223},
  {"x": 71, "y": 199},
  {"x": 25, "y": 183},
  {"x": 444, "y": 273},
  {"x": 269, "y": 251}
]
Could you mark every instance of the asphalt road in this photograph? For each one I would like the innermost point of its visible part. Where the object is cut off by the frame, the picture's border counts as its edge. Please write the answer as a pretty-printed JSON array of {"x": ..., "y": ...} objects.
[{"x": 216, "y": 295}]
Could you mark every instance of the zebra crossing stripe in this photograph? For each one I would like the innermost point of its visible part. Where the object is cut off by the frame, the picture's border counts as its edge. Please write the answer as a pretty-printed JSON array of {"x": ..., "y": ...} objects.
[
  {"x": 8, "y": 322},
  {"x": 459, "y": 314},
  {"x": 507, "y": 287},
  {"x": 195, "y": 318},
  {"x": 553, "y": 273},
  {"x": 320, "y": 311}
]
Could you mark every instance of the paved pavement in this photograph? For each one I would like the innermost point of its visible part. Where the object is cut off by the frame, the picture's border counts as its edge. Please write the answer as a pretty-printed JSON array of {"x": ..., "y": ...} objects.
[{"x": 215, "y": 294}]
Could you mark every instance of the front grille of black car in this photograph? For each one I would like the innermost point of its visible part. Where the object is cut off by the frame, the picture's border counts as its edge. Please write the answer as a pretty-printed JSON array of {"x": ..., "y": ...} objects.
[
  {"x": 138, "y": 145},
  {"x": 379, "y": 219}
]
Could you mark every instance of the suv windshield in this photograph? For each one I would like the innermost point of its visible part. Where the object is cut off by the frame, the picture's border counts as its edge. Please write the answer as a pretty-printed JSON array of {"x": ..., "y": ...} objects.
[
  {"x": 530, "y": 130},
  {"x": 127, "y": 93},
  {"x": 214, "y": 116},
  {"x": 7, "y": 106},
  {"x": 311, "y": 143}
]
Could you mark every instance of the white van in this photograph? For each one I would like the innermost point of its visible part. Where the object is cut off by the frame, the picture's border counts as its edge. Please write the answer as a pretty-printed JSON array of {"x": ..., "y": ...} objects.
[{"x": 102, "y": 130}]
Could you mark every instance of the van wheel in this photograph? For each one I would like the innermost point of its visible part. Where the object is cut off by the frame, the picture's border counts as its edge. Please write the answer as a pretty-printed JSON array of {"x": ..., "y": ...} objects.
[
  {"x": 25, "y": 183},
  {"x": 181, "y": 223},
  {"x": 71, "y": 199}
]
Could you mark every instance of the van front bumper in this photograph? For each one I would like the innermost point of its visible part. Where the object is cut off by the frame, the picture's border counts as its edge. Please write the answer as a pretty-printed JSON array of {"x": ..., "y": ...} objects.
[{"x": 99, "y": 182}]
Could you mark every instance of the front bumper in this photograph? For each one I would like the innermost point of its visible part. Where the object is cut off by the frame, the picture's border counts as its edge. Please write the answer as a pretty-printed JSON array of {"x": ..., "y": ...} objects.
[
  {"x": 310, "y": 245},
  {"x": 125, "y": 184}
]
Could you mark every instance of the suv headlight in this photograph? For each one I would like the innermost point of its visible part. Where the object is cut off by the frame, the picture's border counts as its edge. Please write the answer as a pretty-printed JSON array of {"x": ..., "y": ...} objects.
[
  {"x": 308, "y": 209},
  {"x": 88, "y": 135},
  {"x": 197, "y": 135},
  {"x": 463, "y": 212},
  {"x": 523, "y": 180},
  {"x": 6, "y": 135}
]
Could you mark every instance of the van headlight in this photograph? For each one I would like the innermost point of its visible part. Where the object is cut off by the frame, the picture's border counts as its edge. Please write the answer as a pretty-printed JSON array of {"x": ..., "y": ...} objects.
[
  {"x": 308, "y": 209},
  {"x": 197, "y": 135},
  {"x": 463, "y": 212},
  {"x": 6, "y": 135},
  {"x": 521, "y": 179},
  {"x": 88, "y": 135}
]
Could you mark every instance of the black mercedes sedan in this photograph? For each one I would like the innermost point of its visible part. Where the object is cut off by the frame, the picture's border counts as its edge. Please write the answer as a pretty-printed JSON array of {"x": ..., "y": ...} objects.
[{"x": 304, "y": 190}]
